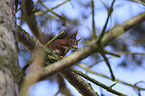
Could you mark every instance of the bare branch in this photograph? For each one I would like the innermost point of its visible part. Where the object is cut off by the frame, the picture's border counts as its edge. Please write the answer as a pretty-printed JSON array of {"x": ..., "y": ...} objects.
[
  {"x": 104, "y": 28},
  {"x": 30, "y": 18},
  {"x": 108, "y": 64},
  {"x": 93, "y": 21},
  {"x": 97, "y": 83},
  {"x": 52, "y": 11},
  {"x": 62, "y": 86},
  {"x": 81, "y": 85},
  {"x": 102, "y": 75},
  {"x": 60, "y": 4}
]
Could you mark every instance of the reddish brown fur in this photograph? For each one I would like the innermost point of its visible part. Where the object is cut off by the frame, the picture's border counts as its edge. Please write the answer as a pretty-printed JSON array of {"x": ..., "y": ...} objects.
[{"x": 62, "y": 45}]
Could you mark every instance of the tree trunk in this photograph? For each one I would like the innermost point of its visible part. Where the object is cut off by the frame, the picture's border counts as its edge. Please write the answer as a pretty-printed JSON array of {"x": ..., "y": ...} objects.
[{"x": 9, "y": 67}]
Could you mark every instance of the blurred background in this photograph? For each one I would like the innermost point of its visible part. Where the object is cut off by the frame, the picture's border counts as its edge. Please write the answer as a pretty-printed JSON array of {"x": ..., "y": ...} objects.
[{"x": 129, "y": 67}]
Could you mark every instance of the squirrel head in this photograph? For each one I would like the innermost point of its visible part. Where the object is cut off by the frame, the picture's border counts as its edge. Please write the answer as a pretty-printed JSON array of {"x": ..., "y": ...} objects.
[{"x": 72, "y": 42}]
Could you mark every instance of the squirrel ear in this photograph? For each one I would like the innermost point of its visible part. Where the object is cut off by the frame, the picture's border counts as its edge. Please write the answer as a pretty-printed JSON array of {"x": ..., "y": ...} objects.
[{"x": 73, "y": 35}]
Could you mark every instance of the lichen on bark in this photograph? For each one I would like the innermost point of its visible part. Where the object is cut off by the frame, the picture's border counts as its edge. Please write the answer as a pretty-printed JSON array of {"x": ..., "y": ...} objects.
[{"x": 9, "y": 67}]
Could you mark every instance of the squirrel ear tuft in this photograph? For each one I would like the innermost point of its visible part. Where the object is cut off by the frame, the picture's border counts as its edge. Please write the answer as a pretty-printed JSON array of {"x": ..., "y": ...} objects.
[
  {"x": 79, "y": 40},
  {"x": 73, "y": 35},
  {"x": 76, "y": 33}
]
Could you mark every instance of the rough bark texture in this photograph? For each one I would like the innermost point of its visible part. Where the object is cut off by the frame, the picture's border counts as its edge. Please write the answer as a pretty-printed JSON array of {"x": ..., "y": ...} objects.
[{"x": 9, "y": 66}]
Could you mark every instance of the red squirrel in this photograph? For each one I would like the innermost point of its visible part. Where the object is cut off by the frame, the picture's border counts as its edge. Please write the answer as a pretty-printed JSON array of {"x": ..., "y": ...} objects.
[
  {"x": 67, "y": 41},
  {"x": 63, "y": 44}
]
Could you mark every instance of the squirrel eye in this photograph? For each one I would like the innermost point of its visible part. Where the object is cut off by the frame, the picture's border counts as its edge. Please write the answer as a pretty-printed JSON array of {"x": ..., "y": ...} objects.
[{"x": 74, "y": 41}]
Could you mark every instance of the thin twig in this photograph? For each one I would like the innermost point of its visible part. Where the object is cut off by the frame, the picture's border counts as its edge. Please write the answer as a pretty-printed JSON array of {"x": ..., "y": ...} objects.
[
  {"x": 44, "y": 12},
  {"x": 20, "y": 7},
  {"x": 110, "y": 53},
  {"x": 108, "y": 64},
  {"x": 60, "y": 4},
  {"x": 90, "y": 66},
  {"x": 133, "y": 53},
  {"x": 53, "y": 39},
  {"x": 113, "y": 84},
  {"x": 37, "y": 3},
  {"x": 51, "y": 10},
  {"x": 116, "y": 55},
  {"x": 104, "y": 28},
  {"x": 97, "y": 82},
  {"x": 93, "y": 21}
]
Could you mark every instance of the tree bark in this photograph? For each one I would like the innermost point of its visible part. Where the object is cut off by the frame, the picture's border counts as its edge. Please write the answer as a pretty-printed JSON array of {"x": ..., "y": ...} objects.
[{"x": 9, "y": 67}]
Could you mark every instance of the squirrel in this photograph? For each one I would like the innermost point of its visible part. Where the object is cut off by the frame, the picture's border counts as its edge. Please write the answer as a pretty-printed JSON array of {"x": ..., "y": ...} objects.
[
  {"x": 62, "y": 44},
  {"x": 65, "y": 42}
]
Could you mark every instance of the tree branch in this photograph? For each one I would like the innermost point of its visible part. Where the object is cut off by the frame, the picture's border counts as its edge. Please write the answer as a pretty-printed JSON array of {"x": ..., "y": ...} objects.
[
  {"x": 52, "y": 11},
  {"x": 31, "y": 44},
  {"x": 104, "y": 28},
  {"x": 93, "y": 21},
  {"x": 138, "y": 1},
  {"x": 81, "y": 85},
  {"x": 108, "y": 64},
  {"x": 30, "y": 19},
  {"x": 102, "y": 75},
  {"x": 97, "y": 83},
  {"x": 62, "y": 86},
  {"x": 60, "y": 4}
]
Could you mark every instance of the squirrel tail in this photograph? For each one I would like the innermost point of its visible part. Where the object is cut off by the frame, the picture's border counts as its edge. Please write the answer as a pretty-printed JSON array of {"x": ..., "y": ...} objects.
[{"x": 68, "y": 31}]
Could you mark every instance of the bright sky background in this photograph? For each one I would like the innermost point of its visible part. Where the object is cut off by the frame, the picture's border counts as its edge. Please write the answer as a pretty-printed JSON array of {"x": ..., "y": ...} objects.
[{"x": 123, "y": 11}]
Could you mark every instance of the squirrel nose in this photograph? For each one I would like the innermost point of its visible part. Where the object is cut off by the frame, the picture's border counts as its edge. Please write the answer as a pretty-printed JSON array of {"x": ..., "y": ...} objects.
[{"x": 75, "y": 46}]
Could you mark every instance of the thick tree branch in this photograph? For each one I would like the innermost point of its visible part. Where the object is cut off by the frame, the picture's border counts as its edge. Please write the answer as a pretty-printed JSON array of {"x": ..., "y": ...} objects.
[
  {"x": 26, "y": 40},
  {"x": 29, "y": 17},
  {"x": 62, "y": 86},
  {"x": 31, "y": 44},
  {"x": 81, "y": 85},
  {"x": 121, "y": 29}
]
